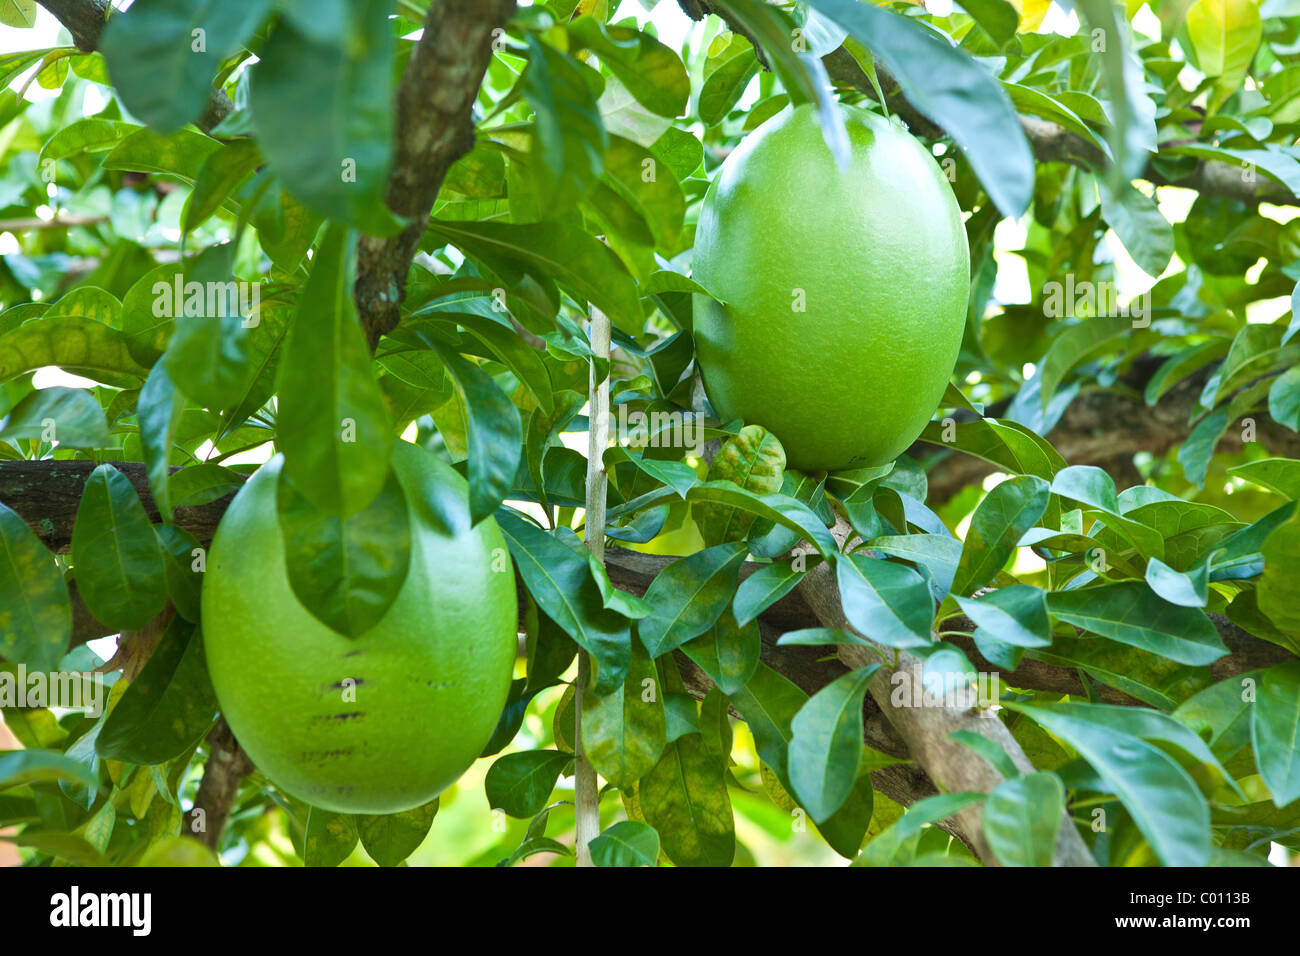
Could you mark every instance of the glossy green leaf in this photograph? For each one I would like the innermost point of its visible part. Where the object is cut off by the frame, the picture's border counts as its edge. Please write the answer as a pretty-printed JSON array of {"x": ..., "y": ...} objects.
[
  {"x": 1022, "y": 817},
  {"x": 827, "y": 744},
  {"x": 886, "y": 602},
  {"x": 390, "y": 838},
  {"x": 684, "y": 797},
  {"x": 624, "y": 732},
  {"x": 1162, "y": 799},
  {"x": 521, "y": 783},
  {"x": 330, "y": 837},
  {"x": 728, "y": 653},
  {"x": 1001, "y": 520},
  {"x": 159, "y": 411},
  {"x": 1275, "y": 732},
  {"x": 626, "y": 843},
  {"x": 74, "y": 343},
  {"x": 560, "y": 581},
  {"x": 115, "y": 553},
  {"x": 689, "y": 595},
  {"x": 333, "y": 426},
  {"x": 346, "y": 570},
  {"x": 764, "y": 588},
  {"x": 338, "y": 169},
  {"x": 755, "y": 461},
  {"x": 37, "y": 618},
  {"x": 69, "y": 416},
  {"x": 1131, "y": 613},
  {"x": 1016, "y": 615},
  {"x": 168, "y": 708}
]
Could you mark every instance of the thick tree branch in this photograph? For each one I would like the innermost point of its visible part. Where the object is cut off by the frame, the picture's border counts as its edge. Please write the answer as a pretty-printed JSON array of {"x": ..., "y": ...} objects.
[
  {"x": 85, "y": 19},
  {"x": 435, "y": 127}
]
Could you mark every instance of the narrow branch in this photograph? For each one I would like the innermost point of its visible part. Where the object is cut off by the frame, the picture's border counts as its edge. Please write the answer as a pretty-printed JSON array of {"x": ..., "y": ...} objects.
[
  {"x": 225, "y": 770},
  {"x": 435, "y": 127},
  {"x": 1049, "y": 141}
]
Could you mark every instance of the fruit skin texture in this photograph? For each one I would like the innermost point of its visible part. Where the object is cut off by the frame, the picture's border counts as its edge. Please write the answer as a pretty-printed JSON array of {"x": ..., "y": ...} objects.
[
  {"x": 880, "y": 253},
  {"x": 431, "y": 677}
]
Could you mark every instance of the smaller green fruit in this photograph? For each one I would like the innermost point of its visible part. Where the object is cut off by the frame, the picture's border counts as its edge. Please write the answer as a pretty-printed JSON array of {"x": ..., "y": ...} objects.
[{"x": 385, "y": 721}]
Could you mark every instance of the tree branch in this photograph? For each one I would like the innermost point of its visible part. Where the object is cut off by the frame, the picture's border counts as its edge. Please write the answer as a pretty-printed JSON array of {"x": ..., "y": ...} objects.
[
  {"x": 1049, "y": 141},
  {"x": 226, "y": 767},
  {"x": 435, "y": 127}
]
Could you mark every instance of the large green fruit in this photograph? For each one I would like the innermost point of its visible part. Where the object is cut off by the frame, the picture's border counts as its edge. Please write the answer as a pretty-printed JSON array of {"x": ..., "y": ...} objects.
[
  {"x": 385, "y": 721},
  {"x": 845, "y": 291}
]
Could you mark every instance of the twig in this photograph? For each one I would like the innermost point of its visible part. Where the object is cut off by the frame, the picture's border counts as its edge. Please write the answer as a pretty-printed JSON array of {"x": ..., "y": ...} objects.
[{"x": 586, "y": 798}]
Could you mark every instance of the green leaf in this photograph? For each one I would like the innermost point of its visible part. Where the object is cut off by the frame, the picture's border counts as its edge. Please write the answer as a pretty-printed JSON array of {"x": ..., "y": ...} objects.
[
  {"x": 764, "y": 588},
  {"x": 1276, "y": 591},
  {"x": 567, "y": 156},
  {"x": 884, "y": 849},
  {"x": 162, "y": 54},
  {"x": 1140, "y": 225},
  {"x": 525, "y": 361},
  {"x": 1093, "y": 487},
  {"x": 1188, "y": 588},
  {"x": 19, "y": 14},
  {"x": 1022, "y": 817},
  {"x": 37, "y": 621},
  {"x": 1224, "y": 35},
  {"x": 684, "y": 797},
  {"x": 346, "y": 570},
  {"x": 818, "y": 636},
  {"x": 886, "y": 602},
  {"x": 495, "y": 432},
  {"x": 75, "y": 344},
  {"x": 1284, "y": 399},
  {"x": 1131, "y": 613},
  {"x": 561, "y": 251},
  {"x": 725, "y": 83},
  {"x": 1001, "y": 520},
  {"x": 953, "y": 90},
  {"x": 827, "y": 744},
  {"x": 1074, "y": 346},
  {"x": 115, "y": 553},
  {"x": 330, "y": 837},
  {"x": 338, "y": 169},
  {"x": 220, "y": 175},
  {"x": 208, "y": 353},
  {"x": 159, "y": 410},
  {"x": 1198, "y": 448},
  {"x": 1162, "y": 799},
  {"x": 780, "y": 509},
  {"x": 1275, "y": 732},
  {"x": 626, "y": 843},
  {"x": 332, "y": 425},
  {"x": 168, "y": 708},
  {"x": 181, "y": 153},
  {"x": 521, "y": 783},
  {"x": 727, "y": 652},
  {"x": 689, "y": 595},
  {"x": 390, "y": 838},
  {"x": 21, "y": 767},
  {"x": 1014, "y": 615},
  {"x": 624, "y": 731},
  {"x": 753, "y": 460},
  {"x": 652, "y": 72},
  {"x": 1276, "y": 474},
  {"x": 559, "y": 579},
  {"x": 69, "y": 416}
]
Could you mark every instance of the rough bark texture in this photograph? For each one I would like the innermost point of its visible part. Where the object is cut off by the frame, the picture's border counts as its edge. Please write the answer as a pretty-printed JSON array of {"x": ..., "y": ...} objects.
[
  {"x": 226, "y": 767},
  {"x": 435, "y": 123}
]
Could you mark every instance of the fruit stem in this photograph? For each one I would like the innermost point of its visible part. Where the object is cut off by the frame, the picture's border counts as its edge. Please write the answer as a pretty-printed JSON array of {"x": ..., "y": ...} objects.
[{"x": 586, "y": 798}]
